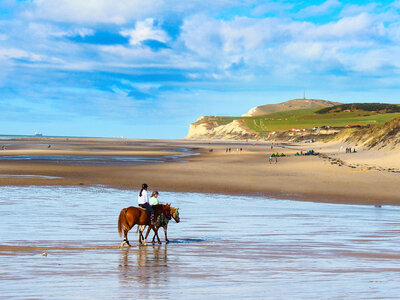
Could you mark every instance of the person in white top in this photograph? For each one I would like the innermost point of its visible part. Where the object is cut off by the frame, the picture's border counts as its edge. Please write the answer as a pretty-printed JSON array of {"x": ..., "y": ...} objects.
[{"x": 143, "y": 201}]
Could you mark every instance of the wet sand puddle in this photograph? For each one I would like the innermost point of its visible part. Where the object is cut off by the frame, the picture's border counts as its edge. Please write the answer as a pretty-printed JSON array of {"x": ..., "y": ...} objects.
[
  {"x": 177, "y": 155},
  {"x": 225, "y": 247},
  {"x": 96, "y": 160}
]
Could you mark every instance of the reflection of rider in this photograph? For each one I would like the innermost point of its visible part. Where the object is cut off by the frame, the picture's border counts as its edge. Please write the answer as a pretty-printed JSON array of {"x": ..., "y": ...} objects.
[{"x": 143, "y": 201}]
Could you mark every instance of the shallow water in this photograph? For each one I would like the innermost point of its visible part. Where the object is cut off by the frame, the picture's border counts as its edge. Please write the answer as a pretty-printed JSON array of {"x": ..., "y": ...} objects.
[
  {"x": 224, "y": 247},
  {"x": 29, "y": 176},
  {"x": 95, "y": 159}
]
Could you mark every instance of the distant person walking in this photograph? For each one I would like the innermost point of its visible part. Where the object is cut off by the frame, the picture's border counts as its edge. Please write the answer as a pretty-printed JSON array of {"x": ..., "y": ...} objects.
[{"x": 270, "y": 159}]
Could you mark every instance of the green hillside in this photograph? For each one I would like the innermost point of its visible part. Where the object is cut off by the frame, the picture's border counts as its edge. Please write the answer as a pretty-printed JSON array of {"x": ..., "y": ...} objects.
[
  {"x": 370, "y": 107},
  {"x": 309, "y": 118}
]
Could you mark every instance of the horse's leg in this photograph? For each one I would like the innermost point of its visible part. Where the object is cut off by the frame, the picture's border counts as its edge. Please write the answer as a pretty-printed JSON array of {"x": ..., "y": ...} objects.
[
  {"x": 125, "y": 241},
  {"x": 139, "y": 235},
  {"x": 165, "y": 233},
  {"x": 141, "y": 232},
  {"x": 148, "y": 232},
  {"x": 156, "y": 234},
  {"x": 155, "y": 229}
]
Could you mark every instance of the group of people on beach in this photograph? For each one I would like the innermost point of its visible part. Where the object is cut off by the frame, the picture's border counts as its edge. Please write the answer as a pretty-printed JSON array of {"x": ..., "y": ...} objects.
[
  {"x": 230, "y": 149},
  {"x": 348, "y": 150},
  {"x": 146, "y": 203}
]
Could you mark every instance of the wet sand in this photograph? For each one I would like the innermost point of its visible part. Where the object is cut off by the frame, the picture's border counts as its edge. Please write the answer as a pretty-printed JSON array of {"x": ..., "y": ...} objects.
[
  {"x": 224, "y": 247},
  {"x": 170, "y": 167}
]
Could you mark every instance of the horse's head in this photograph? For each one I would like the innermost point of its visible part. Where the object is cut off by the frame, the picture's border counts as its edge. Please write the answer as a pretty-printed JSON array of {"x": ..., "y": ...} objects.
[{"x": 175, "y": 214}]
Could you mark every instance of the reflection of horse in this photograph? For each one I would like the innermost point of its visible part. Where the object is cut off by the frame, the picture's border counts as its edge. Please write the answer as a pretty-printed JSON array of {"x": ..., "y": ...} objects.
[
  {"x": 132, "y": 216},
  {"x": 145, "y": 266},
  {"x": 163, "y": 222}
]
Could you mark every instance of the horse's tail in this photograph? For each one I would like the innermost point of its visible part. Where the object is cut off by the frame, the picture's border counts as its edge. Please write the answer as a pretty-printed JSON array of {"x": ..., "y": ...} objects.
[{"x": 122, "y": 221}]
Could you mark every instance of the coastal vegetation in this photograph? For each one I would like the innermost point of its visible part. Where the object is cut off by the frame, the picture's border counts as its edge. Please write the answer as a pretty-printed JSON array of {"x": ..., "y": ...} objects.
[
  {"x": 370, "y": 107},
  {"x": 307, "y": 119},
  {"x": 313, "y": 123},
  {"x": 377, "y": 136}
]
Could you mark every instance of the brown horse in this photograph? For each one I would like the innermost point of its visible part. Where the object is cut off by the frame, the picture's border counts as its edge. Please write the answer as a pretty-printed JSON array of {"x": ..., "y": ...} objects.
[
  {"x": 164, "y": 224},
  {"x": 132, "y": 216}
]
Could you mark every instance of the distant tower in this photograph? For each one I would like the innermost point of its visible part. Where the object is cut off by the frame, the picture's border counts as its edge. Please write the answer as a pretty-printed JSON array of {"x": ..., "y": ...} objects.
[{"x": 304, "y": 95}]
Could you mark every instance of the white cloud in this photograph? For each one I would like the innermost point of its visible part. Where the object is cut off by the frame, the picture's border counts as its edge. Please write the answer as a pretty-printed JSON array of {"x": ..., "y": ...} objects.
[
  {"x": 92, "y": 11},
  {"x": 321, "y": 9},
  {"x": 348, "y": 27},
  {"x": 274, "y": 43},
  {"x": 45, "y": 30},
  {"x": 396, "y": 4},
  {"x": 13, "y": 53},
  {"x": 210, "y": 47},
  {"x": 118, "y": 11},
  {"x": 145, "y": 30},
  {"x": 82, "y": 32},
  {"x": 353, "y": 9},
  {"x": 304, "y": 50},
  {"x": 270, "y": 7}
]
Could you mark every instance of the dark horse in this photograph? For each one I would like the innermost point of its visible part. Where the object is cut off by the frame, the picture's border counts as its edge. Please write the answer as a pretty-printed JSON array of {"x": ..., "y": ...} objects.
[
  {"x": 163, "y": 222},
  {"x": 132, "y": 216}
]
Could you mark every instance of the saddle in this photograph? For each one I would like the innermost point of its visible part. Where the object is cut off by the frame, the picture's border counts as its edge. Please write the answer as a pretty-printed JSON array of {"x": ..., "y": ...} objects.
[{"x": 145, "y": 210}]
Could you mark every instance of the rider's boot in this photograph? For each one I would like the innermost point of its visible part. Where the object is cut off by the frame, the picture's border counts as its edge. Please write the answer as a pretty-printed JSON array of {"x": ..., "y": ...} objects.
[{"x": 152, "y": 219}]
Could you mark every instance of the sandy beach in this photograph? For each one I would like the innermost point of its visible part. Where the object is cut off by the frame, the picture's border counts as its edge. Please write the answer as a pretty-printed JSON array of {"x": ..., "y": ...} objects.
[{"x": 205, "y": 166}]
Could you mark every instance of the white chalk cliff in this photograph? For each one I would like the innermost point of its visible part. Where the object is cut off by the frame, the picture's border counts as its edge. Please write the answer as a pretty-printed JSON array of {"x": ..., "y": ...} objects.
[{"x": 206, "y": 128}]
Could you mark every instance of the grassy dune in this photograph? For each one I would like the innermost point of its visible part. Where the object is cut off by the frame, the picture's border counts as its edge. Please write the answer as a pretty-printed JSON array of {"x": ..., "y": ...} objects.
[{"x": 308, "y": 118}]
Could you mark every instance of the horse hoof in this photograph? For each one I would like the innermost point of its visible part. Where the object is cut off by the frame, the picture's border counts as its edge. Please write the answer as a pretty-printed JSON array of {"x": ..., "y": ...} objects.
[
  {"x": 167, "y": 241},
  {"x": 122, "y": 244}
]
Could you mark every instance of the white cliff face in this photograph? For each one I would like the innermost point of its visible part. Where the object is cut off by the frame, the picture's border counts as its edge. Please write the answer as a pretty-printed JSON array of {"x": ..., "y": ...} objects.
[
  {"x": 251, "y": 112},
  {"x": 209, "y": 127},
  {"x": 204, "y": 130}
]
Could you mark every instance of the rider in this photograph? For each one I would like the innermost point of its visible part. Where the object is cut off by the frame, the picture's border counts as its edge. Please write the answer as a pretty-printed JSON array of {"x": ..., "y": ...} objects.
[
  {"x": 154, "y": 199},
  {"x": 143, "y": 201}
]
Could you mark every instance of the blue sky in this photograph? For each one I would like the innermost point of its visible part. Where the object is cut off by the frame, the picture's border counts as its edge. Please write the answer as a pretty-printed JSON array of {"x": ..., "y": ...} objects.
[{"x": 147, "y": 69}]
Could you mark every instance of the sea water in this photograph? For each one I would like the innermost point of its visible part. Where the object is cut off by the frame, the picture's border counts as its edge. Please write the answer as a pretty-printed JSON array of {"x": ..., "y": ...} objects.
[{"x": 224, "y": 247}]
